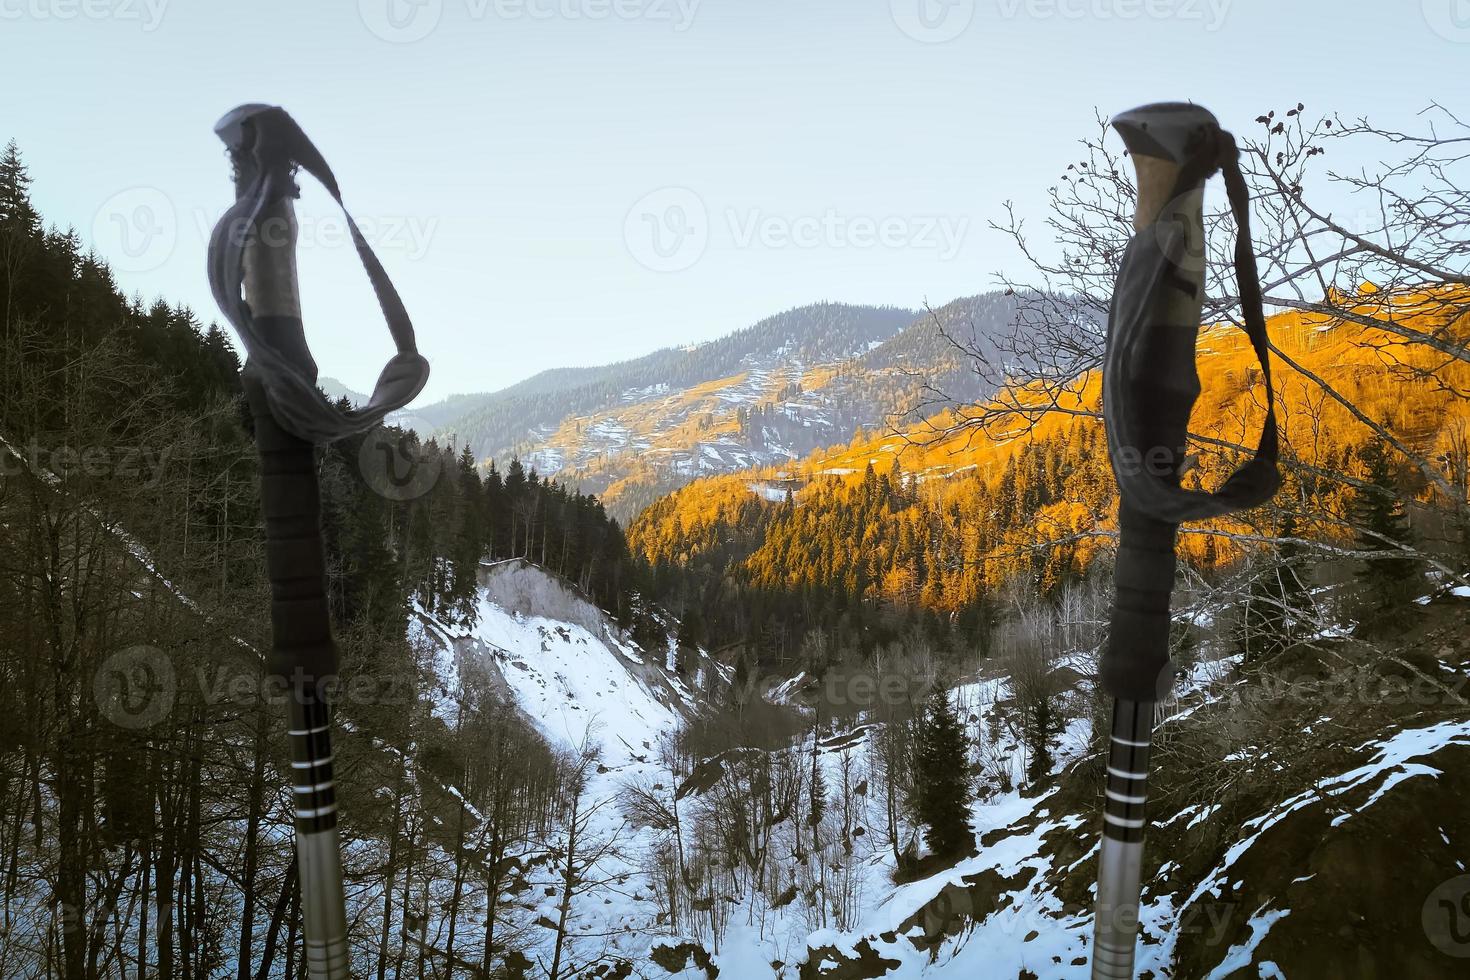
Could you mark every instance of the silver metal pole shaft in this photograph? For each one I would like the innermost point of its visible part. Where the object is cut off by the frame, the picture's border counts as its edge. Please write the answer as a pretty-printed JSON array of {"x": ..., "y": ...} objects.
[{"x": 1120, "y": 860}]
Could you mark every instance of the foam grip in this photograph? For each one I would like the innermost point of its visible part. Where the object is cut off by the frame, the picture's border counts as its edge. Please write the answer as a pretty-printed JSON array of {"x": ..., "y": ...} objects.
[
  {"x": 1136, "y": 665},
  {"x": 302, "y": 649}
]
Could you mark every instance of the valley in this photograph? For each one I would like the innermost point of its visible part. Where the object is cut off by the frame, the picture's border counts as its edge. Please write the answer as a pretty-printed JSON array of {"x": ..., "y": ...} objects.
[
  {"x": 776, "y": 655},
  {"x": 776, "y": 391}
]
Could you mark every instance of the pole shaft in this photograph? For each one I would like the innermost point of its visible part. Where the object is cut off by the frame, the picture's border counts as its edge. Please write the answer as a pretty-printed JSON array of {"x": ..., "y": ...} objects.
[{"x": 1120, "y": 859}]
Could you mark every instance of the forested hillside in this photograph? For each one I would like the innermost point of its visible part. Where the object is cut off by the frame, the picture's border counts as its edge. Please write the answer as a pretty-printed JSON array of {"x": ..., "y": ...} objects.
[
  {"x": 769, "y": 416},
  {"x": 1010, "y": 494},
  {"x": 142, "y": 826},
  {"x": 515, "y": 418},
  {"x": 775, "y": 391},
  {"x": 946, "y": 517}
]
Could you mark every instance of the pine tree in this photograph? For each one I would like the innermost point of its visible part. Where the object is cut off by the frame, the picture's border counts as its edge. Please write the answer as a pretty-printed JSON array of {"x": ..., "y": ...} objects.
[
  {"x": 1379, "y": 516},
  {"x": 819, "y": 789},
  {"x": 15, "y": 183},
  {"x": 942, "y": 775}
]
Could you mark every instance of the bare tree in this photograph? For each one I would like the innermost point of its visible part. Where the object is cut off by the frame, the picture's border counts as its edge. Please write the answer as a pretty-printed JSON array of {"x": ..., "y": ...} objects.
[
  {"x": 1389, "y": 265},
  {"x": 580, "y": 855}
]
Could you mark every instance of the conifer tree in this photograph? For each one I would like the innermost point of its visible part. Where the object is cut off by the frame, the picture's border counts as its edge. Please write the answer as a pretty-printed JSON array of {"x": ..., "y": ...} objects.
[
  {"x": 1379, "y": 516},
  {"x": 15, "y": 183},
  {"x": 942, "y": 777}
]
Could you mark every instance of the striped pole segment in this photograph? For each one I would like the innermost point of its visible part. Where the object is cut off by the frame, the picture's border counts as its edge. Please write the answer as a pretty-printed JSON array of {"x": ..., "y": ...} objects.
[
  {"x": 1120, "y": 859},
  {"x": 318, "y": 855}
]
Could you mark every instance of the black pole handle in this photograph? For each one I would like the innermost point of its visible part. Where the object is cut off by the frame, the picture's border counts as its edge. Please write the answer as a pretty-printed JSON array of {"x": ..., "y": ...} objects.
[
  {"x": 1150, "y": 382},
  {"x": 303, "y": 652}
]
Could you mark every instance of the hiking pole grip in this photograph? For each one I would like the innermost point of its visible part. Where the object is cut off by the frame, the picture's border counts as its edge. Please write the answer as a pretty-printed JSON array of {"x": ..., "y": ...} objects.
[
  {"x": 1151, "y": 383},
  {"x": 303, "y": 654}
]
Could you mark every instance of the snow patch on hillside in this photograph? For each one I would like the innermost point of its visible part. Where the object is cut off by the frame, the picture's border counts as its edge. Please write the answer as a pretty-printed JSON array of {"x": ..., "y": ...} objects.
[{"x": 569, "y": 668}]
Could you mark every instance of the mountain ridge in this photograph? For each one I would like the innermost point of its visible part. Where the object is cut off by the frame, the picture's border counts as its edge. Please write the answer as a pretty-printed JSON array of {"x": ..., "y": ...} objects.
[{"x": 778, "y": 390}]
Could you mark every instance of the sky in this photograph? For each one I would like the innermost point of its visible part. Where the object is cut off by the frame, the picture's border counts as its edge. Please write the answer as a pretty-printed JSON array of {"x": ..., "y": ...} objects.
[{"x": 573, "y": 182}]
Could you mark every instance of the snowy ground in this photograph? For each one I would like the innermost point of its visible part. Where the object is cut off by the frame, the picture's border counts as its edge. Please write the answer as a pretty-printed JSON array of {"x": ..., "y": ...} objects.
[
  {"x": 580, "y": 684},
  {"x": 572, "y": 675}
]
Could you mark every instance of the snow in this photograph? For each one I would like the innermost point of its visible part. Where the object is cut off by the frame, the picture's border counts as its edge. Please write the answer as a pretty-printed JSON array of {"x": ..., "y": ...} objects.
[
  {"x": 1238, "y": 957},
  {"x": 766, "y": 491},
  {"x": 571, "y": 672},
  {"x": 581, "y": 684},
  {"x": 570, "y": 675}
]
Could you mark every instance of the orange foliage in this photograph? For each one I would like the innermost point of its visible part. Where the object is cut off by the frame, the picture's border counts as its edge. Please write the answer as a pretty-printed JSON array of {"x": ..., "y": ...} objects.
[{"x": 941, "y": 521}]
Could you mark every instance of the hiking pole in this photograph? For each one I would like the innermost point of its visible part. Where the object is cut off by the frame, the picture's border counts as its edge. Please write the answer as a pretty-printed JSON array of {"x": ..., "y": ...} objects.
[
  {"x": 252, "y": 271},
  {"x": 1149, "y": 387}
]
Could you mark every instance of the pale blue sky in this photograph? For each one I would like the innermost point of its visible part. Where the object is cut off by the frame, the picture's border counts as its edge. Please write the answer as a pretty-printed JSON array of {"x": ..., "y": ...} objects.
[{"x": 504, "y": 159}]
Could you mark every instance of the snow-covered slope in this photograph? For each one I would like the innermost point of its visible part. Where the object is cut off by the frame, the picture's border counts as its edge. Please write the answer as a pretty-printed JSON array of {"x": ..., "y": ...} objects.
[
  {"x": 1317, "y": 835},
  {"x": 1306, "y": 824},
  {"x": 589, "y": 691},
  {"x": 567, "y": 665}
]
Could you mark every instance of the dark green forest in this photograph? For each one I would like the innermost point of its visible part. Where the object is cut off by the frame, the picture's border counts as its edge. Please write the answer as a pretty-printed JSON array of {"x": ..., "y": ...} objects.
[{"x": 140, "y": 749}]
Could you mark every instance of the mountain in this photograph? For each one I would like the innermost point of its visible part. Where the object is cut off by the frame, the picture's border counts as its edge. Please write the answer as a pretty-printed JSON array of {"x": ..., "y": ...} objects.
[
  {"x": 941, "y": 517},
  {"x": 335, "y": 389},
  {"x": 775, "y": 391}
]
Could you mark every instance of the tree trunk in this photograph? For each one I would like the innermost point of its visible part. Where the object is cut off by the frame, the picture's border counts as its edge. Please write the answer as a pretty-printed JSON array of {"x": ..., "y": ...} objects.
[{"x": 252, "y": 851}]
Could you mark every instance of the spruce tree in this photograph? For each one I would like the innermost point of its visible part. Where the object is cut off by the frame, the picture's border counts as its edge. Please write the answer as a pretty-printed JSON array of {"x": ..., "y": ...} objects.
[
  {"x": 1379, "y": 517},
  {"x": 942, "y": 777},
  {"x": 15, "y": 200}
]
